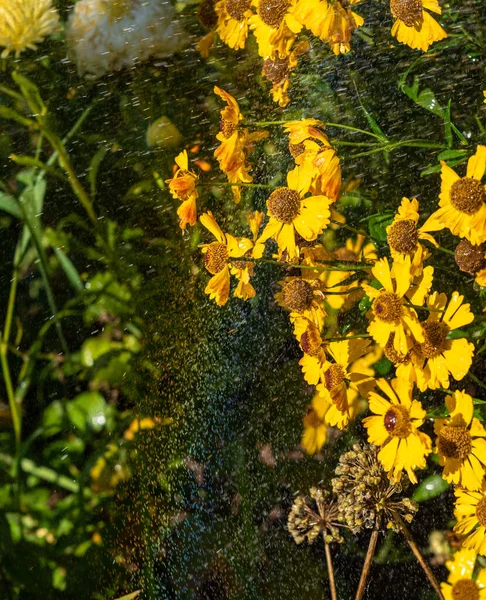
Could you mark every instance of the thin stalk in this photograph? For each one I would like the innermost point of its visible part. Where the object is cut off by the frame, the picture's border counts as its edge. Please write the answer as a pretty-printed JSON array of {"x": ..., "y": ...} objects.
[
  {"x": 367, "y": 564},
  {"x": 348, "y": 337},
  {"x": 352, "y": 229},
  {"x": 476, "y": 380},
  {"x": 332, "y": 266},
  {"x": 445, "y": 250},
  {"x": 226, "y": 184},
  {"x": 330, "y": 570},
  {"x": 337, "y": 125},
  {"x": 419, "y": 557},
  {"x": 405, "y": 143}
]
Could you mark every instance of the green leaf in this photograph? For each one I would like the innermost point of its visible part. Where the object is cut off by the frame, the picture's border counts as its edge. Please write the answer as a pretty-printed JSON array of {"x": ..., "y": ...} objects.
[
  {"x": 426, "y": 98},
  {"x": 68, "y": 267},
  {"x": 377, "y": 225},
  {"x": 450, "y": 154},
  {"x": 94, "y": 348},
  {"x": 94, "y": 166},
  {"x": 87, "y": 411},
  {"x": 130, "y": 596},
  {"x": 429, "y": 488},
  {"x": 383, "y": 367},
  {"x": 437, "y": 168},
  {"x": 31, "y": 93},
  {"x": 10, "y": 205},
  {"x": 53, "y": 418}
]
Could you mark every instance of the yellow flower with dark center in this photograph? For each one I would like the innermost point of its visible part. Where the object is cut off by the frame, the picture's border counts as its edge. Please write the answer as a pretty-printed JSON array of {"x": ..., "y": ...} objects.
[
  {"x": 233, "y": 16},
  {"x": 291, "y": 213},
  {"x": 236, "y": 144},
  {"x": 25, "y": 23},
  {"x": 470, "y": 512},
  {"x": 303, "y": 298},
  {"x": 183, "y": 187},
  {"x": 438, "y": 357},
  {"x": 414, "y": 26},
  {"x": 389, "y": 313},
  {"x": 274, "y": 27},
  {"x": 463, "y": 201},
  {"x": 471, "y": 259},
  {"x": 460, "y": 443},
  {"x": 277, "y": 70},
  {"x": 460, "y": 583},
  {"x": 217, "y": 259},
  {"x": 337, "y": 377},
  {"x": 396, "y": 429},
  {"x": 404, "y": 237},
  {"x": 332, "y": 22},
  {"x": 312, "y": 345}
]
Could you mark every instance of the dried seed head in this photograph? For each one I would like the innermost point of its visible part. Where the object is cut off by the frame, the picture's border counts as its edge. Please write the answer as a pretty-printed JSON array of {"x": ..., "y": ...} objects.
[
  {"x": 454, "y": 442},
  {"x": 403, "y": 236},
  {"x": 467, "y": 195},
  {"x": 216, "y": 257},
  {"x": 312, "y": 515},
  {"x": 388, "y": 307},
  {"x": 470, "y": 258},
  {"x": 276, "y": 70}
]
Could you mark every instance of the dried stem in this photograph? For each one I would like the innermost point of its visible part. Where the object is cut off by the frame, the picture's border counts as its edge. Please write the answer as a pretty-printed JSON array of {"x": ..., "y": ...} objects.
[
  {"x": 330, "y": 569},
  {"x": 420, "y": 558},
  {"x": 367, "y": 564}
]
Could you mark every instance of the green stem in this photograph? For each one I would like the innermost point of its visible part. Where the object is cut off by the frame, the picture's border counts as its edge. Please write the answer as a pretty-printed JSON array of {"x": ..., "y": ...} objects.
[
  {"x": 476, "y": 380},
  {"x": 333, "y": 266},
  {"x": 445, "y": 250},
  {"x": 226, "y": 184},
  {"x": 352, "y": 229},
  {"x": 405, "y": 143},
  {"x": 358, "y": 336},
  {"x": 326, "y": 123}
]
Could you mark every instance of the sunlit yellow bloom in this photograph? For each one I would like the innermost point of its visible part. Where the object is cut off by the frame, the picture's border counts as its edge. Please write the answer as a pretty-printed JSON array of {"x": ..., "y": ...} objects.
[
  {"x": 463, "y": 200},
  {"x": 437, "y": 357},
  {"x": 414, "y": 26},
  {"x": 314, "y": 349},
  {"x": 291, "y": 213},
  {"x": 303, "y": 297},
  {"x": 317, "y": 167},
  {"x": 404, "y": 237},
  {"x": 355, "y": 251},
  {"x": 233, "y": 18},
  {"x": 315, "y": 429},
  {"x": 389, "y": 313},
  {"x": 243, "y": 270},
  {"x": 277, "y": 70},
  {"x": 217, "y": 258},
  {"x": 460, "y": 443},
  {"x": 236, "y": 143},
  {"x": 396, "y": 429},
  {"x": 138, "y": 425},
  {"x": 183, "y": 187},
  {"x": 470, "y": 512},
  {"x": 460, "y": 583},
  {"x": 274, "y": 26},
  {"x": 471, "y": 258},
  {"x": 338, "y": 376},
  {"x": 332, "y": 22}
]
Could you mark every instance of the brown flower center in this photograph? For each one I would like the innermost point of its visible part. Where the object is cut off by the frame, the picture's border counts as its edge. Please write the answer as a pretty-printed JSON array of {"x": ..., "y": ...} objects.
[
  {"x": 216, "y": 257},
  {"x": 207, "y": 15},
  {"x": 298, "y": 295},
  {"x": 284, "y": 204},
  {"x": 237, "y": 8},
  {"x": 408, "y": 11},
  {"x": 227, "y": 128},
  {"x": 393, "y": 356},
  {"x": 276, "y": 70},
  {"x": 403, "y": 236},
  {"x": 481, "y": 511},
  {"x": 465, "y": 589},
  {"x": 435, "y": 342},
  {"x": 388, "y": 307},
  {"x": 272, "y": 12},
  {"x": 467, "y": 195},
  {"x": 397, "y": 421},
  {"x": 454, "y": 442},
  {"x": 310, "y": 341},
  {"x": 334, "y": 376},
  {"x": 470, "y": 258}
]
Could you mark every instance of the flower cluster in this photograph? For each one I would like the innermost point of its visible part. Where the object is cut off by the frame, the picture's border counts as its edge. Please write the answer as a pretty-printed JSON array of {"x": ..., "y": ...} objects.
[
  {"x": 418, "y": 331},
  {"x": 277, "y": 24}
]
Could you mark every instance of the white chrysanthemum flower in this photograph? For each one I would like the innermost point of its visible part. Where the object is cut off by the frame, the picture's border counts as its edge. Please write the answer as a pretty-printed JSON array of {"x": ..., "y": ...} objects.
[
  {"x": 110, "y": 35},
  {"x": 25, "y": 23}
]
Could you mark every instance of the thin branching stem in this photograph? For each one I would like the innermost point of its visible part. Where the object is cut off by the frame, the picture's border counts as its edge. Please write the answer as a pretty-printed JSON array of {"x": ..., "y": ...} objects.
[
  {"x": 367, "y": 564},
  {"x": 330, "y": 569}
]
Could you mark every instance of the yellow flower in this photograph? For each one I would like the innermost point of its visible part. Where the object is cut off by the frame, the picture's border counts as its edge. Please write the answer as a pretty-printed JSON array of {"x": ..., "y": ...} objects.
[
  {"x": 462, "y": 200},
  {"x": 233, "y": 16},
  {"x": 236, "y": 144},
  {"x": 414, "y": 26},
  {"x": 216, "y": 259},
  {"x": 471, "y": 258},
  {"x": 354, "y": 251},
  {"x": 460, "y": 583},
  {"x": 302, "y": 296},
  {"x": 470, "y": 512},
  {"x": 333, "y": 22},
  {"x": 277, "y": 71},
  {"x": 403, "y": 236},
  {"x": 183, "y": 187},
  {"x": 396, "y": 429},
  {"x": 317, "y": 167},
  {"x": 315, "y": 429},
  {"x": 275, "y": 27},
  {"x": 314, "y": 349},
  {"x": 390, "y": 315},
  {"x": 437, "y": 357},
  {"x": 290, "y": 213},
  {"x": 25, "y": 23},
  {"x": 243, "y": 270},
  {"x": 338, "y": 376},
  {"x": 460, "y": 443}
]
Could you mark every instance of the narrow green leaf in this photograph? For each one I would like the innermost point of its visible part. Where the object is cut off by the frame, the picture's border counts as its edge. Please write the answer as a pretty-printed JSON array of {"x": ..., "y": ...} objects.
[
  {"x": 31, "y": 93},
  {"x": 10, "y": 205},
  {"x": 68, "y": 267},
  {"x": 429, "y": 488},
  {"x": 450, "y": 154},
  {"x": 94, "y": 166}
]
